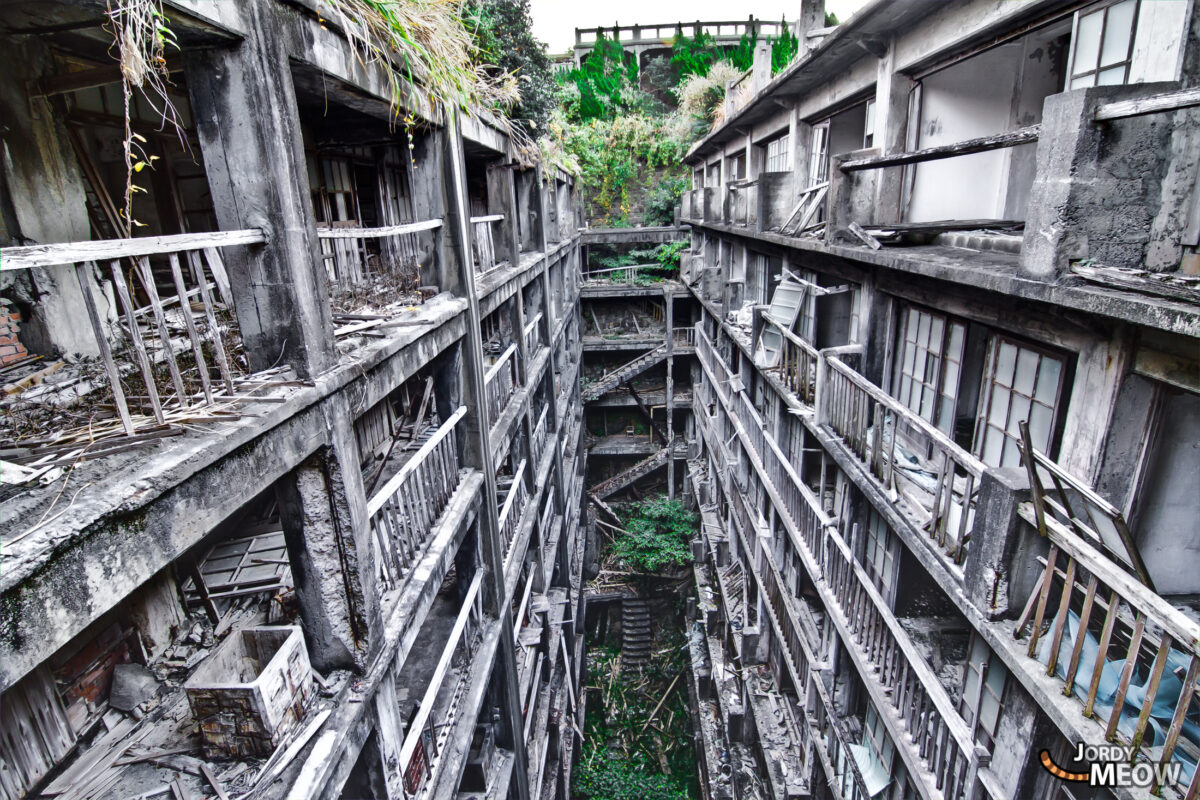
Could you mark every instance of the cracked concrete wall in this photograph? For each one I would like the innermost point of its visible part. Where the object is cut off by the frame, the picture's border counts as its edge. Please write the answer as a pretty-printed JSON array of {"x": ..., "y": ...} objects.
[{"x": 1115, "y": 192}]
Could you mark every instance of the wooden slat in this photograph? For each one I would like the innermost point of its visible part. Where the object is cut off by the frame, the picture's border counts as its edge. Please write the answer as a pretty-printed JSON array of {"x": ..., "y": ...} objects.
[
  {"x": 1153, "y": 104},
  {"x": 390, "y": 230},
  {"x": 190, "y": 324},
  {"x": 160, "y": 320},
  {"x": 135, "y": 339},
  {"x": 81, "y": 272},
  {"x": 49, "y": 255},
  {"x": 214, "y": 333},
  {"x": 979, "y": 145}
]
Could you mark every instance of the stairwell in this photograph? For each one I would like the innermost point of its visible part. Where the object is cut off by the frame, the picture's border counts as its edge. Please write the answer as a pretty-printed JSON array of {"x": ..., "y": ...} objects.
[
  {"x": 613, "y": 379},
  {"x": 635, "y": 472},
  {"x": 636, "y": 636}
]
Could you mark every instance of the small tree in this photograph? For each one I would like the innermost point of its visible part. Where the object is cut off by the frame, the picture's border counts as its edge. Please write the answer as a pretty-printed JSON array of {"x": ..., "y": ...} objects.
[{"x": 658, "y": 533}]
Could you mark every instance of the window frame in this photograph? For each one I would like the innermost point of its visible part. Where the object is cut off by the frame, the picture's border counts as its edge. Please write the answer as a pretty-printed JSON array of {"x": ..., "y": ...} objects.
[
  {"x": 987, "y": 389},
  {"x": 781, "y": 159},
  {"x": 970, "y": 707},
  {"x": 1071, "y": 75},
  {"x": 941, "y": 390}
]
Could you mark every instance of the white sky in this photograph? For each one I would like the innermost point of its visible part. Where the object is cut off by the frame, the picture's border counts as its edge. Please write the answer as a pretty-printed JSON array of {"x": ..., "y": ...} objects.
[{"x": 554, "y": 21}]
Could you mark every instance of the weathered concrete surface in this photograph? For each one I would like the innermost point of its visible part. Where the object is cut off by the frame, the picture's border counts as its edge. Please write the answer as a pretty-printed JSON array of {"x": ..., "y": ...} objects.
[
  {"x": 249, "y": 127},
  {"x": 137, "y": 514},
  {"x": 1102, "y": 191}
]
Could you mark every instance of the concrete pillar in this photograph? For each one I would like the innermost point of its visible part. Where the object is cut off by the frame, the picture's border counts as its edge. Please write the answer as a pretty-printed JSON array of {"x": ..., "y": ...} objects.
[
  {"x": 322, "y": 507},
  {"x": 249, "y": 130},
  {"x": 477, "y": 449},
  {"x": 761, "y": 75},
  {"x": 669, "y": 318},
  {"x": 892, "y": 90},
  {"x": 1000, "y": 559},
  {"x": 812, "y": 17},
  {"x": 1097, "y": 185}
]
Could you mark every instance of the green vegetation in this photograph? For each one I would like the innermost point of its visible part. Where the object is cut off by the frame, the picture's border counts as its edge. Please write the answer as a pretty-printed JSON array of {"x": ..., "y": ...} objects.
[
  {"x": 504, "y": 44},
  {"x": 626, "y": 754},
  {"x": 657, "y": 535}
]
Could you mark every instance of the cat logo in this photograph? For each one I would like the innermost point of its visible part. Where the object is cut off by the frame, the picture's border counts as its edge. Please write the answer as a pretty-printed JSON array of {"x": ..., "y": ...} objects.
[{"x": 1113, "y": 765}]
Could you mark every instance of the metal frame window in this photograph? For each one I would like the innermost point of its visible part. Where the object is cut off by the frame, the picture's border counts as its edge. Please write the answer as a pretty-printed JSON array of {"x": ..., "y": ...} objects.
[
  {"x": 779, "y": 154},
  {"x": 1021, "y": 383},
  {"x": 881, "y": 556},
  {"x": 1102, "y": 45},
  {"x": 806, "y": 317},
  {"x": 984, "y": 683},
  {"x": 875, "y": 736},
  {"x": 928, "y": 365}
]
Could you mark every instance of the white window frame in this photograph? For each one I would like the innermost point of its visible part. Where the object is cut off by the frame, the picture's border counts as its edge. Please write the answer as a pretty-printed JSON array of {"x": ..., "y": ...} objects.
[
  {"x": 998, "y": 386},
  {"x": 779, "y": 153},
  {"x": 930, "y": 339},
  {"x": 985, "y": 687}
]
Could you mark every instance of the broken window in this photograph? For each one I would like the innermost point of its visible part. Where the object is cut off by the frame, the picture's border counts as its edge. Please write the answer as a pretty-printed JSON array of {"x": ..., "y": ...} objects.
[
  {"x": 1020, "y": 383},
  {"x": 983, "y": 691},
  {"x": 869, "y": 125},
  {"x": 1102, "y": 45},
  {"x": 779, "y": 154},
  {"x": 928, "y": 365}
]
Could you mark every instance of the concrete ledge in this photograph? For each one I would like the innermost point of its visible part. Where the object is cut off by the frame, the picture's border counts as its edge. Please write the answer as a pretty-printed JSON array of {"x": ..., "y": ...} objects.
[{"x": 656, "y": 235}]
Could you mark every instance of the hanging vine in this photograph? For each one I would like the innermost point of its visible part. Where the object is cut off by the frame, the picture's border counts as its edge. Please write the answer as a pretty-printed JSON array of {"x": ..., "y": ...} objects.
[{"x": 142, "y": 36}]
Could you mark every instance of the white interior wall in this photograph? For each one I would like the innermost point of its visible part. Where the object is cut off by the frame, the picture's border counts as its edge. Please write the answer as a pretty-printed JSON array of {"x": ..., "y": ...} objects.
[
  {"x": 1158, "y": 42},
  {"x": 969, "y": 100}
]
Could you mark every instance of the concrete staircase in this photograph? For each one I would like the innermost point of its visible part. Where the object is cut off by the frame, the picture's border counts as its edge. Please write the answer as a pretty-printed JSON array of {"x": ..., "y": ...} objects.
[
  {"x": 639, "y": 470},
  {"x": 624, "y": 372},
  {"x": 636, "y": 636}
]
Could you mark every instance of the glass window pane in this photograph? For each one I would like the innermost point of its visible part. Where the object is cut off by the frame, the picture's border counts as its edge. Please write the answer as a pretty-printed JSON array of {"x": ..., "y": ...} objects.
[
  {"x": 1111, "y": 77},
  {"x": 911, "y": 329},
  {"x": 956, "y": 341},
  {"x": 1005, "y": 362},
  {"x": 993, "y": 445},
  {"x": 1087, "y": 42},
  {"x": 935, "y": 335},
  {"x": 1027, "y": 362},
  {"x": 1040, "y": 418},
  {"x": 1012, "y": 456},
  {"x": 1084, "y": 82},
  {"x": 998, "y": 408},
  {"x": 1047, "y": 385},
  {"x": 1117, "y": 30},
  {"x": 950, "y": 379},
  {"x": 1018, "y": 413},
  {"x": 923, "y": 329}
]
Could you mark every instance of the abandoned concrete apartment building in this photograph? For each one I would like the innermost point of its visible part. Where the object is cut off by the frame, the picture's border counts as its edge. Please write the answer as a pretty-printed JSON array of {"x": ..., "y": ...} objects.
[{"x": 294, "y": 485}]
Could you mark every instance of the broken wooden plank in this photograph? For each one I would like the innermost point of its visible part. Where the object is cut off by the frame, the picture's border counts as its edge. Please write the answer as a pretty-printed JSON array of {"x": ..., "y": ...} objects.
[
  {"x": 866, "y": 238},
  {"x": 49, "y": 255},
  {"x": 213, "y": 782},
  {"x": 981, "y": 144}
]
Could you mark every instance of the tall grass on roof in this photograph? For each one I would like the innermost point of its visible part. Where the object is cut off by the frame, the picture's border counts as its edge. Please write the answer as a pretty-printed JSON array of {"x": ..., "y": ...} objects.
[{"x": 425, "y": 52}]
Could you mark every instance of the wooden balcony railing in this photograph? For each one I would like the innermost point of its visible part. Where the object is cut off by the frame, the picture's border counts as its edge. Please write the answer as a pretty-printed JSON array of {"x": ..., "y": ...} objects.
[
  {"x": 886, "y": 656},
  {"x": 356, "y": 256},
  {"x": 403, "y": 513},
  {"x": 940, "y": 490},
  {"x": 1128, "y": 656},
  {"x": 794, "y": 359},
  {"x": 533, "y": 336},
  {"x": 513, "y": 508},
  {"x": 425, "y": 740},
  {"x": 538, "y": 445},
  {"x": 500, "y": 382},
  {"x": 196, "y": 267},
  {"x": 483, "y": 246}
]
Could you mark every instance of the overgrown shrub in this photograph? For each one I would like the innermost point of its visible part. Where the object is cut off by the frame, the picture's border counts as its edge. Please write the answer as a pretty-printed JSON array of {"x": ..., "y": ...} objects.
[
  {"x": 662, "y": 199},
  {"x": 657, "y": 535},
  {"x": 504, "y": 42}
]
